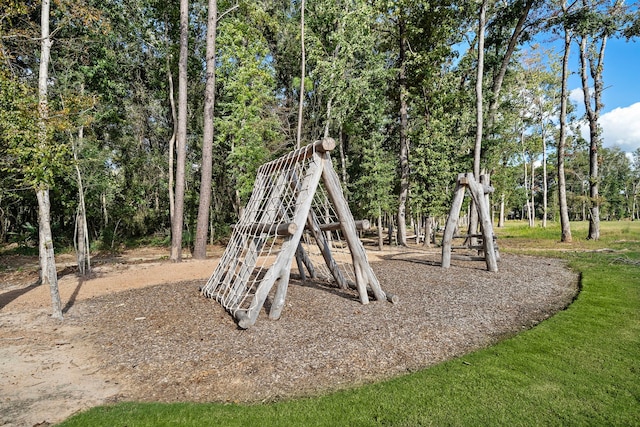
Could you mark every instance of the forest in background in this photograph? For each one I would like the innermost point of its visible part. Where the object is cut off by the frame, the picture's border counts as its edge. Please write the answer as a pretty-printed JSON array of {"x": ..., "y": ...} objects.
[{"x": 395, "y": 83}]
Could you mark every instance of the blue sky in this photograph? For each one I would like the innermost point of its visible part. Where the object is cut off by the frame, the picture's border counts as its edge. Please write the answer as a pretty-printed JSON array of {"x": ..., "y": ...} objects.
[{"x": 620, "y": 119}]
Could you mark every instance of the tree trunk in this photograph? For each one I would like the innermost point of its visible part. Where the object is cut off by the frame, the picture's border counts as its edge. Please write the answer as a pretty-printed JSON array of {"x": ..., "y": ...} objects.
[
  {"x": 428, "y": 231},
  {"x": 181, "y": 139},
  {"x": 172, "y": 143},
  {"x": 544, "y": 173},
  {"x": 302, "y": 75},
  {"x": 343, "y": 158},
  {"x": 82, "y": 233},
  {"x": 404, "y": 139},
  {"x": 379, "y": 231},
  {"x": 593, "y": 113},
  {"x": 501, "y": 219},
  {"x": 48, "y": 274},
  {"x": 532, "y": 216},
  {"x": 511, "y": 47},
  {"x": 477, "y": 151},
  {"x": 200, "y": 248}
]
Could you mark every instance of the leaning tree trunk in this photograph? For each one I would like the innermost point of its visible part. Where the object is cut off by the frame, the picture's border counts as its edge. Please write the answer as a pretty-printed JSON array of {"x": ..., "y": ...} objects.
[
  {"x": 48, "y": 274},
  {"x": 200, "y": 248},
  {"x": 404, "y": 140},
  {"x": 178, "y": 219}
]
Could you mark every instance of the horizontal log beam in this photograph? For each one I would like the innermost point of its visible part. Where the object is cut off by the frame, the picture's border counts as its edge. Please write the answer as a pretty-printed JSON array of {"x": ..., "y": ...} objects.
[
  {"x": 466, "y": 236},
  {"x": 334, "y": 226},
  {"x": 285, "y": 229},
  {"x": 321, "y": 146},
  {"x": 468, "y": 258}
]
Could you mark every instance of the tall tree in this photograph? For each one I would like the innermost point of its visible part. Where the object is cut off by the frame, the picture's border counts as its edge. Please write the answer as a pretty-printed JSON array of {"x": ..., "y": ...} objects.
[
  {"x": 200, "y": 248},
  {"x": 303, "y": 74},
  {"x": 565, "y": 226},
  {"x": 403, "y": 130},
  {"x": 482, "y": 17},
  {"x": 181, "y": 137},
  {"x": 48, "y": 274},
  {"x": 477, "y": 150}
]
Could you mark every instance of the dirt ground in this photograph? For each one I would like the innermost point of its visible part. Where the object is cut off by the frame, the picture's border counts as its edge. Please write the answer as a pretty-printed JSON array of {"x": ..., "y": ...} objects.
[{"x": 137, "y": 329}]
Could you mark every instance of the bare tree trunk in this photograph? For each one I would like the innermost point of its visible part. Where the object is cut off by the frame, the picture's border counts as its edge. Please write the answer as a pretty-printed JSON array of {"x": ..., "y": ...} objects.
[
  {"x": 501, "y": 219},
  {"x": 532, "y": 216},
  {"x": 172, "y": 143},
  {"x": 428, "y": 231},
  {"x": 404, "y": 139},
  {"x": 200, "y": 248},
  {"x": 593, "y": 114},
  {"x": 526, "y": 179},
  {"x": 545, "y": 192},
  {"x": 379, "y": 231},
  {"x": 511, "y": 47},
  {"x": 477, "y": 152},
  {"x": 302, "y": 75},
  {"x": 48, "y": 274},
  {"x": 181, "y": 139},
  {"x": 562, "y": 140},
  {"x": 82, "y": 233}
]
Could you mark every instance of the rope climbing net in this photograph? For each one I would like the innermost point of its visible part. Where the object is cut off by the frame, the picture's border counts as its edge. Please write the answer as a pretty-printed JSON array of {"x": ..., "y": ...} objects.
[{"x": 289, "y": 214}]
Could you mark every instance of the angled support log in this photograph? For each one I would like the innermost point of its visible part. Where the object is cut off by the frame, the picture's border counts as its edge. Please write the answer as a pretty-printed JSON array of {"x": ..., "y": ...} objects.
[
  {"x": 452, "y": 220},
  {"x": 283, "y": 261},
  {"x": 364, "y": 272}
]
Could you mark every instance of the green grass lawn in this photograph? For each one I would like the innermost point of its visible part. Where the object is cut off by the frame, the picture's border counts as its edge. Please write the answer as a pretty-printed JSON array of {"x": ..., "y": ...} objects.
[{"x": 580, "y": 367}]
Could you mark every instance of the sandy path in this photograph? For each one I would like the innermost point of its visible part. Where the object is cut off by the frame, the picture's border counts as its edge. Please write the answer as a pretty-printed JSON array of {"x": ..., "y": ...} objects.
[{"x": 47, "y": 372}]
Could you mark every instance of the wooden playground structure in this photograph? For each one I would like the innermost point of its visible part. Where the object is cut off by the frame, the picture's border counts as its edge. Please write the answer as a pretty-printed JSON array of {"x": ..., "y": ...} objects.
[
  {"x": 296, "y": 204},
  {"x": 485, "y": 242}
]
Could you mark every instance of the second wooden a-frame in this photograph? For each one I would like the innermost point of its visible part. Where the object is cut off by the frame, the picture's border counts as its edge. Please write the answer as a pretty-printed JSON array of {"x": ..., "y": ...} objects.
[{"x": 479, "y": 192}]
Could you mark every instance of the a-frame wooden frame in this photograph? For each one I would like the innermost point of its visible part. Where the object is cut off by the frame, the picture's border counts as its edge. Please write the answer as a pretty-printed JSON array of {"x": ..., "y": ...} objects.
[
  {"x": 267, "y": 238},
  {"x": 479, "y": 192}
]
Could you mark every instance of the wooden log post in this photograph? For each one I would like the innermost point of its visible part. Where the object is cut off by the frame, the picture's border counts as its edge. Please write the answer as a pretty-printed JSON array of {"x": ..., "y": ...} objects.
[
  {"x": 452, "y": 220},
  {"x": 281, "y": 293},
  {"x": 300, "y": 263},
  {"x": 478, "y": 194},
  {"x": 485, "y": 180},
  {"x": 284, "y": 229},
  {"x": 325, "y": 250},
  {"x": 322, "y": 237},
  {"x": 364, "y": 272}
]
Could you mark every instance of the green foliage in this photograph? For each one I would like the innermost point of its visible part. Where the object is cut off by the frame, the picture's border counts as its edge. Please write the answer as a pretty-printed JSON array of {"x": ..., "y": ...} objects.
[
  {"x": 18, "y": 121},
  {"x": 111, "y": 64},
  {"x": 244, "y": 123}
]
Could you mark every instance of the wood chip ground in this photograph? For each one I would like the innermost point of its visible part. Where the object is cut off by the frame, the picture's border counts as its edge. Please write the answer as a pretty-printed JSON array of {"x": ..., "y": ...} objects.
[{"x": 168, "y": 343}]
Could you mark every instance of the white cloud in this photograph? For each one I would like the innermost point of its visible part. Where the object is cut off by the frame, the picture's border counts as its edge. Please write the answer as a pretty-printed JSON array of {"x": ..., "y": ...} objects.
[
  {"x": 576, "y": 96},
  {"x": 620, "y": 128}
]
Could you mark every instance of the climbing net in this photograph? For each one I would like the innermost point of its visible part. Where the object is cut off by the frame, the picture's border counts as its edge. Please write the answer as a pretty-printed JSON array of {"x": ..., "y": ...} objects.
[{"x": 291, "y": 216}]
